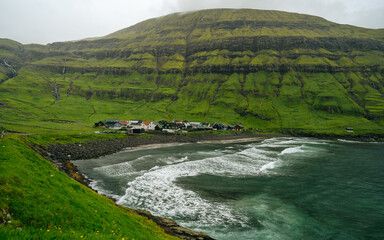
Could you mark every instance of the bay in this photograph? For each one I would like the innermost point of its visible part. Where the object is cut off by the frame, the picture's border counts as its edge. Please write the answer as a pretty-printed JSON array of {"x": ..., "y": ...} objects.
[{"x": 279, "y": 188}]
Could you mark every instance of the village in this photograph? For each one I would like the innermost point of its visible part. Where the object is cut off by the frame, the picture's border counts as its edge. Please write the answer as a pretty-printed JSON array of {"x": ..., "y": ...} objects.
[{"x": 140, "y": 126}]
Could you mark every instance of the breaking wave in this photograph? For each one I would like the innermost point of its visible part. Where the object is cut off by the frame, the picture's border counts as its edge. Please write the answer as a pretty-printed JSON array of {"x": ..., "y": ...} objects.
[{"x": 156, "y": 190}]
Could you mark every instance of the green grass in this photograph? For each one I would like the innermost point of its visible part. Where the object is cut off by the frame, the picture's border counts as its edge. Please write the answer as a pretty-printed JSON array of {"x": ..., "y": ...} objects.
[
  {"x": 49, "y": 139},
  {"x": 49, "y": 205}
]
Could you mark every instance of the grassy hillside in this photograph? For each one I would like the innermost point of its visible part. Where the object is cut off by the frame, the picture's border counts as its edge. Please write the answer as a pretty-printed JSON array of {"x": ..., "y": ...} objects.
[
  {"x": 38, "y": 201},
  {"x": 276, "y": 71},
  {"x": 297, "y": 101}
]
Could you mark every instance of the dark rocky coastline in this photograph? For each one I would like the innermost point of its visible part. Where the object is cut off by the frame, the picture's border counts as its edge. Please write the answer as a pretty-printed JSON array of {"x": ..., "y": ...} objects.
[
  {"x": 61, "y": 155},
  {"x": 358, "y": 138},
  {"x": 97, "y": 148}
]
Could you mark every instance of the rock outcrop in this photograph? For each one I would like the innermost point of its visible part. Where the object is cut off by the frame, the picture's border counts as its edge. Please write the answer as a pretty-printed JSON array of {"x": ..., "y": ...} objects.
[{"x": 172, "y": 228}]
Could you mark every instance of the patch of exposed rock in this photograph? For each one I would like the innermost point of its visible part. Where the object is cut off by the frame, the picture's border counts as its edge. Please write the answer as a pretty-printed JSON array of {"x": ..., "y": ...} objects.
[{"x": 172, "y": 228}]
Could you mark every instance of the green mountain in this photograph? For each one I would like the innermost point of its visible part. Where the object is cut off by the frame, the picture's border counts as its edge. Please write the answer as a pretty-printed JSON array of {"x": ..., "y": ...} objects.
[{"x": 276, "y": 71}]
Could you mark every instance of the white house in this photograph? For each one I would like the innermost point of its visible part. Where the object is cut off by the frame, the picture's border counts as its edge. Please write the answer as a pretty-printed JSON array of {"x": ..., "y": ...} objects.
[
  {"x": 195, "y": 124},
  {"x": 147, "y": 125}
]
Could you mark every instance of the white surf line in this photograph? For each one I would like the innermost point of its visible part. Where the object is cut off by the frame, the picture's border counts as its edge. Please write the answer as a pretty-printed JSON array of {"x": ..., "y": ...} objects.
[
  {"x": 237, "y": 140},
  {"x": 153, "y": 146},
  {"x": 172, "y": 144}
]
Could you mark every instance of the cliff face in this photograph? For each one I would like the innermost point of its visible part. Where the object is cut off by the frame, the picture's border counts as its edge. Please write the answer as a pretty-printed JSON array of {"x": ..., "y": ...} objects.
[
  {"x": 274, "y": 70},
  {"x": 228, "y": 41}
]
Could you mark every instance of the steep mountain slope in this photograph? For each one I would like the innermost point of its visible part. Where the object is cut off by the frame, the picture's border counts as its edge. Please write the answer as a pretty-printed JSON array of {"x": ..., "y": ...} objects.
[{"x": 270, "y": 70}]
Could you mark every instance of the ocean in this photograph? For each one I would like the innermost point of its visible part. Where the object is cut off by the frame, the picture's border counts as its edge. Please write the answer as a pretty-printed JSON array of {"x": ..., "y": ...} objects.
[{"x": 278, "y": 188}]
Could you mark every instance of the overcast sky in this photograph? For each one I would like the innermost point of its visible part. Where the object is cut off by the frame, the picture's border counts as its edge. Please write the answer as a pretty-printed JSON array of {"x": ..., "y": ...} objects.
[{"x": 45, "y": 21}]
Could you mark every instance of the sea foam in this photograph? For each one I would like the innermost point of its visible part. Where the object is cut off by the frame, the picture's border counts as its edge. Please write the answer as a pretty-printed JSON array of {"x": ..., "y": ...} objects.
[
  {"x": 155, "y": 188},
  {"x": 293, "y": 150},
  {"x": 157, "y": 191}
]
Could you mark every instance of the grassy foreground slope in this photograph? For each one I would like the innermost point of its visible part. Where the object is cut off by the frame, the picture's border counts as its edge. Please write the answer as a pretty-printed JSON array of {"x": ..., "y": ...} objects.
[
  {"x": 37, "y": 201},
  {"x": 276, "y": 71}
]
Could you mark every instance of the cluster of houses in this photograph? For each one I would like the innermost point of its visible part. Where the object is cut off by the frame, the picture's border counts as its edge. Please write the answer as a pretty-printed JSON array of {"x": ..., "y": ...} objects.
[{"x": 139, "y": 126}]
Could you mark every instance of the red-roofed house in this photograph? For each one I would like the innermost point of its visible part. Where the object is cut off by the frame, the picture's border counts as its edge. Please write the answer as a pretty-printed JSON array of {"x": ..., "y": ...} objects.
[
  {"x": 124, "y": 123},
  {"x": 148, "y": 125}
]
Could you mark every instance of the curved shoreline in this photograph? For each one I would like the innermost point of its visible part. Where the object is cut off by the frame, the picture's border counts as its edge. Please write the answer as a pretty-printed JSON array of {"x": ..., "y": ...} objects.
[
  {"x": 98, "y": 148},
  {"x": 61, "y": 156}
]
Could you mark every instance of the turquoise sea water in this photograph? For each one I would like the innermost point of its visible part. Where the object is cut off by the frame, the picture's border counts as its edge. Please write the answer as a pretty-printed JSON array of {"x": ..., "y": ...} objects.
[{"x": 280, "y": 188}]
